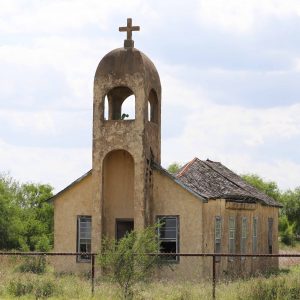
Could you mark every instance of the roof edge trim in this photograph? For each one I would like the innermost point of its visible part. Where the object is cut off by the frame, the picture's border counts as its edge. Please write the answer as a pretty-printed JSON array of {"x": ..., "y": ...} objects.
[
  {"x": 173, "y": 178},
  {"x": 51, "y": 199}
]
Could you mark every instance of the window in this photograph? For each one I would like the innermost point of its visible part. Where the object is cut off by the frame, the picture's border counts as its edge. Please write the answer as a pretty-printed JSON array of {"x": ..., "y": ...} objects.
[
  {"x": 168, "y": 235},
  {"x": 244, "y": 237},
  {"x": 231, "y": 236},
  {"x": 270, "y": 235},
  {"x": 84, "y": 237},
  {"x": 218, "y": 234},
  {"x": 254, "y": 236}
]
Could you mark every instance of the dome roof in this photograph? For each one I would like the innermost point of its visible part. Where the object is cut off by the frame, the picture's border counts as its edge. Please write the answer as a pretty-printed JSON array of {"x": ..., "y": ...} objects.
[{"x": 121, "y": 62}]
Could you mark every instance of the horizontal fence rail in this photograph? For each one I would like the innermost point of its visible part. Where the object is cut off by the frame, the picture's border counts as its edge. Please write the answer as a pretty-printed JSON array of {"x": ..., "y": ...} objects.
[{"x": 93, "y": 255}]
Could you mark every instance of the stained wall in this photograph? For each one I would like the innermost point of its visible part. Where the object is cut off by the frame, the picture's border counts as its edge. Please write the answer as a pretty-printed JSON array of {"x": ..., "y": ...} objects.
[{"x": 73, "y": 202}]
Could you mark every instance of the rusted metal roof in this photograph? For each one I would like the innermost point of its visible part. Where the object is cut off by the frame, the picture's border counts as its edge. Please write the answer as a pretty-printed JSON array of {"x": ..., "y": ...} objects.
[{"x": 212, "y": 180}]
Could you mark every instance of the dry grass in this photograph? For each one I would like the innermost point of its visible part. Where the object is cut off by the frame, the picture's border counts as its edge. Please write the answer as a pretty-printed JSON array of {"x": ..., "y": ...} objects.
[
  {"x": 295, "y": 248},
  {"x": 70, "y": 286}
]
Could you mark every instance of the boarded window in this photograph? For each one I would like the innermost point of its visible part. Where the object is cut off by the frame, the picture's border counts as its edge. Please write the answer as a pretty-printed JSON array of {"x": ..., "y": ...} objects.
[
  {"x": 218, "y": 236},
  {"x": 168, "y": 233},
  {"x": 231, "y": 236},
  {"x": 270, "y": 235},
  {"x": 244, "y": 237},
  {"x": 84, "y": 237},
  {"x": 254, "y": 236}
]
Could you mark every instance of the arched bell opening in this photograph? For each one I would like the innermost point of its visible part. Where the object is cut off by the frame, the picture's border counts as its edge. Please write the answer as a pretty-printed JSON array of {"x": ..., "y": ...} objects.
[
  {"x": 118, "y": 193},
  {"x": 119, "y": 104},
  {"x": 153, "y": 107}
]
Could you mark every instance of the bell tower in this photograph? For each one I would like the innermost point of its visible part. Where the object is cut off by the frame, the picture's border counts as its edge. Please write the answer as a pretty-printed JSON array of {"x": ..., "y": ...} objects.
[{"x": 123, "y": 147}]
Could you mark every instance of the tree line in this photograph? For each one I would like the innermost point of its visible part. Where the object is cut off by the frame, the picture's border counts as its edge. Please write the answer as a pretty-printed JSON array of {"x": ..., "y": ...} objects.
[{"x": 26, "y": 217}]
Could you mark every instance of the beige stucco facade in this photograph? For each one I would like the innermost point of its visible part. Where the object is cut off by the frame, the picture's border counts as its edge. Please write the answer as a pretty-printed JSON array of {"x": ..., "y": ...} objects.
[
  {"x": 196, "y": 223},
  {"x": 124, "y": 183}
]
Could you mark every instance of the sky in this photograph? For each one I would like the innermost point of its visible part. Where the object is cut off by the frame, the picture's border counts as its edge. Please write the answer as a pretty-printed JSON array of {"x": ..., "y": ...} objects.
[{"x": 229, "y": 69}]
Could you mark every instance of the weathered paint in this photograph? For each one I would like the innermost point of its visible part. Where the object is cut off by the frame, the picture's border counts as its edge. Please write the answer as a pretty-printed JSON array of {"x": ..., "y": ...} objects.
[
  {"x": 118, "y": 181},
  {"x": 240, "y": 265},
  {"x": 123, "y": 184},
  {"x": 169, "y": 199},
  {"x": 74, "y": 202},
  {"x": 128, "y": 68}
]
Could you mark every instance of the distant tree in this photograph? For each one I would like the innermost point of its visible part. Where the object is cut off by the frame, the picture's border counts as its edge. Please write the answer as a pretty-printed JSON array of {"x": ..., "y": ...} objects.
[
  {"x": 26, "y": 219},
  {"x": 10, "y": 223},
  {"x": 174, "y": 168},
  {"x": 291, "y": 207},
  {"x": 287, "y": 230},
  {"x": 289, "y": 221},
  {"x": 268, "y": 187}
]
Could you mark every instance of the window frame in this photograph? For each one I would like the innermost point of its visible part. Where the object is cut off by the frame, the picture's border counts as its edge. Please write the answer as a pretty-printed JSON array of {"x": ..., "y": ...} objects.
[
  {"x": 218, "y": 240},
  {"x": 80, "y": 258},
  {"x": 159, "y": 218},
  {"x": 231, "y": 230},
  {"x": 244, "y": 236},
  {"x": 270, "y": 235},
  {"x": 254, "y": 236}
]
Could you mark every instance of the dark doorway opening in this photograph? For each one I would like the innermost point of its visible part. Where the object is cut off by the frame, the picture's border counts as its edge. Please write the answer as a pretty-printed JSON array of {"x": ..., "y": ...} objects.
[{"x": 123, "y": 227}]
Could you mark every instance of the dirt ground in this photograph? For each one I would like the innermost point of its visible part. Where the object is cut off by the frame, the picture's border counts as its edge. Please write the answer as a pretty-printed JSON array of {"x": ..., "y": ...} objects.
[{"x": 288, "y": 261}]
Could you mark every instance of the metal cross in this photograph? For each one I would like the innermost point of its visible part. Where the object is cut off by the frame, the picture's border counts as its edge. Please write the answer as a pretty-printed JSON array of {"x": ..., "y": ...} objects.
[{"x": 129, "y": 43}]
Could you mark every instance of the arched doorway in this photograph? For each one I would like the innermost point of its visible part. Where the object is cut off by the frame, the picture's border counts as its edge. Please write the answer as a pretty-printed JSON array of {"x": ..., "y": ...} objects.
[{"x": 118, "y": 193}]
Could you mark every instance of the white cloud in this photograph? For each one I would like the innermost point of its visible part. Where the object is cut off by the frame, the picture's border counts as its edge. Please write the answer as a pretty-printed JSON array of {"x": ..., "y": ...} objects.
[
  {"x": 232, "y": 134},
  {"x": 56, "y": 166},
  {"x": 56, "y": 16},
  {"x": 40, "y": 122},
  {"x": 43, "y": 36},
  {"x": 243, "y": 16}
]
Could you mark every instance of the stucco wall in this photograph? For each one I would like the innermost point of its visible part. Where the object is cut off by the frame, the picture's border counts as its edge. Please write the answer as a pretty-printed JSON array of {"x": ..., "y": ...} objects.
[
  {"x": 118, "y": 190},
  {"x": 197, "y": 231},
  {"x": 73, "y": 202},
  {"x": 240, "y": 266},
  {"x": 171, "y": 199}
]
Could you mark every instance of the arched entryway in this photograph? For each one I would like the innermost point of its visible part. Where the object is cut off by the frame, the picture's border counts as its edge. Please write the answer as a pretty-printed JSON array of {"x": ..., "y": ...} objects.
[{"x": 118, "y": 193}]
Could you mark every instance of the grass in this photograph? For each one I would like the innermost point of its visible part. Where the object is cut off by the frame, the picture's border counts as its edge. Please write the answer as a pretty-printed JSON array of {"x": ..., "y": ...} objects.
[
  {"x": 295, "y": 248},
  {"x": 284, "y": 286}
]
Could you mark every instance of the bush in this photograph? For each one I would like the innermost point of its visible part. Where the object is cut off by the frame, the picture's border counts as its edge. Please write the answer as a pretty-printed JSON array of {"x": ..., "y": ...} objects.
[
  {"x": 126, "y": 261},
  {"x": 272, "y": 289},
  {"x": 33, "y": 264},
  {"x": 287, "y": 231},
  {"x": 39, "y": 287},
  {"x": 20, "y": 287},
  {"x": 45, "y": 289}
]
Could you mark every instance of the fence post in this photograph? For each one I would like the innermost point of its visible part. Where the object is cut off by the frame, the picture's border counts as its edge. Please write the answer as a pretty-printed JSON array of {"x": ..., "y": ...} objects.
[
  {"x": 93, "y": 274},
  {"x": 214, "y": 277}
]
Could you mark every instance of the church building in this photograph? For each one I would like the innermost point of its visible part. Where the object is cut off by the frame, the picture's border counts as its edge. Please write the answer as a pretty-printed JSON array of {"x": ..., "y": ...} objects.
[{"x": 205, "y": 207}]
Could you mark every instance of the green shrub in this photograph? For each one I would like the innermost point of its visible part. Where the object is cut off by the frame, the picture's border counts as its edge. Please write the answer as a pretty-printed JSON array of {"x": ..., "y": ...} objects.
[
  {"x": 33, "y": 264},
  {"x": 39, "y": 287},
  {"x": 287, "y": 231},
  {"x": 45, "y": 288},
  {"x": 20, "y": 287},
  {"x": 126, "y": 261},
  {"x": 280, "y": 288}
]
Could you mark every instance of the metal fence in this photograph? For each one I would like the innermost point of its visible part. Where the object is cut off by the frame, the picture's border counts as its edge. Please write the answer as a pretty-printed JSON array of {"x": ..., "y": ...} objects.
[{"x": 93, "y": 257}]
